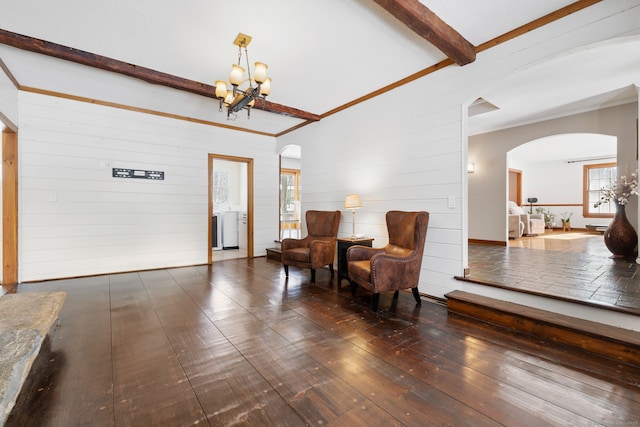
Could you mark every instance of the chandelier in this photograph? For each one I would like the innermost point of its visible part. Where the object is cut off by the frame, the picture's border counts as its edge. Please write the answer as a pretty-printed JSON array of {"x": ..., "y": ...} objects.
[{"x": 236, "y": 99}]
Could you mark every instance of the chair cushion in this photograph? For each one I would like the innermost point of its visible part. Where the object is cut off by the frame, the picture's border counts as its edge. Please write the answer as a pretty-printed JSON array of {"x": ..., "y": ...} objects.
[
  {"x": 360, "y": 269},
  {"x": 298, "y": 254}
]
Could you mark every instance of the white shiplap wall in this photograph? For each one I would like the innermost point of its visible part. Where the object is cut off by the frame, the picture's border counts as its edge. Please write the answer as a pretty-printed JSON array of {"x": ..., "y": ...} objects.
[
  {"x": 407, "y": 149},
  {"x": 75, "y": 219},
  {"x": 8, "y": 102}
]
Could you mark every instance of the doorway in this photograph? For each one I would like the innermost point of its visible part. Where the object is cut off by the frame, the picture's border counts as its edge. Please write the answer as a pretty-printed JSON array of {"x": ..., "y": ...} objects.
[
  {"x": 290, "y": 186},
  {"x": 230, "y": 224},
  {"x": 515, "y": 186}
]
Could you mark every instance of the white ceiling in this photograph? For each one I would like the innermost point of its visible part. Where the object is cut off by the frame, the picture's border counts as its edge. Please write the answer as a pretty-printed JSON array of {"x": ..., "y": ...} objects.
[
  {"x": 567, "y": 148},
  {"x": 321, "y": 55}
]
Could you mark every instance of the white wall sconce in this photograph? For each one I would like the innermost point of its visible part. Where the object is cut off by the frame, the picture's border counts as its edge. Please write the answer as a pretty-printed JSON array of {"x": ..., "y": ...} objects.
[{"x": 471, "y": 167}]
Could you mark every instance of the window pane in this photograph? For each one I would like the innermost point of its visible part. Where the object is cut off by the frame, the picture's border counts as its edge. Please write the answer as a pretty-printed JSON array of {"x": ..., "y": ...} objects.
[{"x": 599, "y": 177}]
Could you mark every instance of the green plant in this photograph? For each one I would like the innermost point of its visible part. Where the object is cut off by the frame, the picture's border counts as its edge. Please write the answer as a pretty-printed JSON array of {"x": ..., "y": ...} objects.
[
  {"x": 566, "y": 216},
  {"x": 549, "y": 218}
]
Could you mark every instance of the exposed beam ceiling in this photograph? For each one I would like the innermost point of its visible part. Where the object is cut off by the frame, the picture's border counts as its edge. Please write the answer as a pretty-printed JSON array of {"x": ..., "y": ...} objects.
[
  {"x": 429, "y": 26},
  {"x": 151, "y": 76},
  {"x": 367, "y": 53}
]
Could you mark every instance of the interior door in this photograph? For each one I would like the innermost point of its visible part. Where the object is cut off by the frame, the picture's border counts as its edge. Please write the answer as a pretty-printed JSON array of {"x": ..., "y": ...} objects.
[{"x": 515, "y": 186}]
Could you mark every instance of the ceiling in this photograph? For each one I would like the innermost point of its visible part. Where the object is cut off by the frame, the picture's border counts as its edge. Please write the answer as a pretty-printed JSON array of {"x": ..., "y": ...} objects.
[
  {"x": 321, "y": 56},
  {"x": 570, "y": 148}
]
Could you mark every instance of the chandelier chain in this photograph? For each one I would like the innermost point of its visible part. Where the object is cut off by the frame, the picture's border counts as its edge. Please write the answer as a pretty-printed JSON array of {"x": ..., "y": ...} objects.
[
  {"x": 237, "y": 99},
  {"x": 246, "y": 54}
]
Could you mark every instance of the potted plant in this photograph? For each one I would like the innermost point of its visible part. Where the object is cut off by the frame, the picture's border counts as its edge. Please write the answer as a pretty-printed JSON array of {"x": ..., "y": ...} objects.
[
  {"x": 565, "y": 217},
  {"x": 549, "y": 218}
]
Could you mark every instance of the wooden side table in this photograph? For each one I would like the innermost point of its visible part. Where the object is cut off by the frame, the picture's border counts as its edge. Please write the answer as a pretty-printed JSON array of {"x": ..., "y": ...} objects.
[{"x": 343, "y": 245}]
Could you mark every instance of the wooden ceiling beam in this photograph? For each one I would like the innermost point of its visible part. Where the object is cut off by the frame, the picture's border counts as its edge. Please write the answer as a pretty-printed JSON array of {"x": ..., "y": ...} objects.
[
  {"x": 429, "y": 26},
  {"x": 151, "y": 76}
]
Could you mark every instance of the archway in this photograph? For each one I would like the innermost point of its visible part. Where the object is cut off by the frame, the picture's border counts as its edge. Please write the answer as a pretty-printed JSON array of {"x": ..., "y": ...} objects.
[
  {"x": 604, "y": 101},
  {"x": 553, "y": 172}
]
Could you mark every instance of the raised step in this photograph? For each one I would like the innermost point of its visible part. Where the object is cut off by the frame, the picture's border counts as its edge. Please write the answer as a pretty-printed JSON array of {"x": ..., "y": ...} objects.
[
  {"x": 616, "y": 343},
  {"x": 25, "y": 321},
  {"x": 274, "y": 254}
]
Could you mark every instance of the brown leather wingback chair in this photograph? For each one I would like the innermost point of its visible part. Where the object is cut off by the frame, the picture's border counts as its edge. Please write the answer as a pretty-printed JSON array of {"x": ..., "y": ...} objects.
[
  {"x": 318, "y": 248},
  {"x": 395, "y": 266}
]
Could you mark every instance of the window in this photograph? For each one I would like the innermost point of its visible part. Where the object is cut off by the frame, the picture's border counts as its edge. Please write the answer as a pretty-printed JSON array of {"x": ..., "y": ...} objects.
[
  {"x": 289, "y": 182},
  {"x": 220, "y": 187},
  {"x": 597, "y": 177},
  {"x": 289, "y": 202}
]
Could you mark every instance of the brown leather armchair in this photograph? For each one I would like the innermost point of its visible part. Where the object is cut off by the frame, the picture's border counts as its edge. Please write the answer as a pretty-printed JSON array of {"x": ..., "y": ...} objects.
[
  {"x": 318, "y": 248},
  {"x": 395, "y": 266}
]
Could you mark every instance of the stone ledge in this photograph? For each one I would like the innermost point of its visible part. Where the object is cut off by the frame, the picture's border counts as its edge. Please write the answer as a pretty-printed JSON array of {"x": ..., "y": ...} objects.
[{"x": 25, "y": 321}]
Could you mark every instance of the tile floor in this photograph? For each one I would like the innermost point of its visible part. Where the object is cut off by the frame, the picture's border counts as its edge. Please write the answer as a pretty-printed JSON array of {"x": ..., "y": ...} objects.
[{"x": 574, "y": 266}]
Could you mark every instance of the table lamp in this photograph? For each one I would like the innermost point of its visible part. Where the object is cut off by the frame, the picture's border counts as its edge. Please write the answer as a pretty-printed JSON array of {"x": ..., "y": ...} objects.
[{"x": 353, "y": 202}]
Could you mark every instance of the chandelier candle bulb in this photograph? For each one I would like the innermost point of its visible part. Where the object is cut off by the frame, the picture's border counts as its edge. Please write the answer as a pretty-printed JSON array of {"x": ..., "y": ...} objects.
[
  {"x": 236, "y": 76},
  {"x": 260, "y": 73},
  {"x": 221, "y": 89},
  {"x": 265, "y": 87}
]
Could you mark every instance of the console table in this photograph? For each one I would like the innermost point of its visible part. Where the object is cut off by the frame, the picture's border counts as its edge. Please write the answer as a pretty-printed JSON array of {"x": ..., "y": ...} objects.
[{"x": 343, "y": 245}]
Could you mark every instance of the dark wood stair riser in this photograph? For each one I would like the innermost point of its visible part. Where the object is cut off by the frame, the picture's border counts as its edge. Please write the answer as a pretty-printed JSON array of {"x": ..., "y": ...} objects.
[
  {"x": 274, "y": 254},
  {"x": 616, "y": 343}
]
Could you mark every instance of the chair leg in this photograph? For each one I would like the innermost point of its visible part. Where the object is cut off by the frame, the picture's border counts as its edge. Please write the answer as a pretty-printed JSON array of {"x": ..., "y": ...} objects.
[
  {"x": 286, "y": 270},
  {"x": 416, "y": 295},
  {"x": 331, "y": 269},
  {"x": 395, "y": 294},
  {"x": 313, "y": 275},
  {"x": 375, "y": 299},
  {"x": 353, "y": 288}
]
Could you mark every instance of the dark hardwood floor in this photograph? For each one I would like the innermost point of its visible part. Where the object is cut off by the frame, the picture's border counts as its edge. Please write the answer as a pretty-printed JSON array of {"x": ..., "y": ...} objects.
[{"x": 236, "y": 343}]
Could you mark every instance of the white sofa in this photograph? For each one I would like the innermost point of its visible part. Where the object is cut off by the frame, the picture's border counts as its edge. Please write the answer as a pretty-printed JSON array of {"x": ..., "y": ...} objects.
[
  {"x": 516, "y": 227},
  {"x": 531, "y": 224}
]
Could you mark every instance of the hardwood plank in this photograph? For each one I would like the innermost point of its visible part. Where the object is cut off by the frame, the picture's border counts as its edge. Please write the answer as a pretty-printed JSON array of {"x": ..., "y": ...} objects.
[
  {"x": 235, "y": 343},
  {"x": 150, "y": 386},
  {"x": 80, "y": 349},
  {"x": 366, "y": 413},
  {"x": 314, "y": 394},
  {"x": 228, "y": 387},
  {"x": 453, "y": 375}
]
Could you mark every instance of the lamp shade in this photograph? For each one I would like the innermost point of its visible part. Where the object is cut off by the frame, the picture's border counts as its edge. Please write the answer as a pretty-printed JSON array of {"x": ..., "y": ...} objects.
[
  {"x": 237, "y": 75},
  {"x": 352, "y": 202},
  {"x": 265, "y": 87},
  {"x": 221, "y": 89},
  {"x": 229, "y": 98},
  {"x": 260, "y": 72}
]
